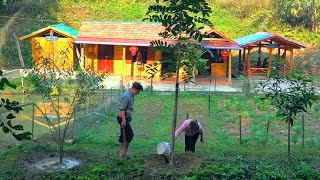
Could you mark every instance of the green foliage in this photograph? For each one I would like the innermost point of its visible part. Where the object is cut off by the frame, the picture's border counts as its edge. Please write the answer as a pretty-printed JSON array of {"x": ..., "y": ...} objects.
[
  {"x": 291, "y": 95},
  {"x": 192, "y": 61},
  {"x": 299, "y": 12},
  {"x": 245, "y": 84},
  {"x": 220, "y": 157},
  {"x": 153, "y": 69},
  {"x": 12, "y": 107},
  {"x": 49, "y": 81}
]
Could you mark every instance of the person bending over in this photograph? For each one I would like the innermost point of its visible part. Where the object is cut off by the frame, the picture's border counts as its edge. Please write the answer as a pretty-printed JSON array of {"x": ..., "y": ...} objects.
[{"x": 192, "y": 129}]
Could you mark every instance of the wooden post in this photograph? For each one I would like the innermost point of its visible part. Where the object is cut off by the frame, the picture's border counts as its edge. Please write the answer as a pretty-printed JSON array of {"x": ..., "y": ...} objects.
[
  {"x": 209, "y": 103},
  {"x": 244, "y": 60},
  {"x": 268, "y": 124},
  {"x": 32, "y": 130},
  {"x": 82, "y": 55},
  {"x": 230, "y": 68},
  {"x": 102, "y": 105},
  {"x": 302, "y": 124},
  {"x": 124, "y": 66},
  {"x": 240, "y": 124},
  {"x": 291, "y": 60},
  {"x": 284, "y": 62},
  {"x": 270, "y": 61},
  {"x": 239, "y": 62},
  {"x": 249, "y": 59},
  {"x": 19, "y": 50}
]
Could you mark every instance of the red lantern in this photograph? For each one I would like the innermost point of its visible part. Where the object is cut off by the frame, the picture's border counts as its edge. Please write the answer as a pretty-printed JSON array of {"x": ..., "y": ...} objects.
[
  {"x": 133, "y": 50},
  {"x": 224, "y": 53}
]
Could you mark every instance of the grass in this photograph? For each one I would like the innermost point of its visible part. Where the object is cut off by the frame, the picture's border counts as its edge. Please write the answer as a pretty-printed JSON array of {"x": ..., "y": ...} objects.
[{"x": 221, "y": 155}]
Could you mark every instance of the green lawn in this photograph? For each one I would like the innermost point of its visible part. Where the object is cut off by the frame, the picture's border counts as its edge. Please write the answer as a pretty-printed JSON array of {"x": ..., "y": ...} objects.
[{"x": 261, "y": 155}]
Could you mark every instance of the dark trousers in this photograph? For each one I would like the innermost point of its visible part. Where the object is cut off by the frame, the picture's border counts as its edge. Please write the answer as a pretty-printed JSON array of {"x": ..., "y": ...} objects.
[
  {"x": 190, "y": 142},
  {"x": 128, "y": 130}
]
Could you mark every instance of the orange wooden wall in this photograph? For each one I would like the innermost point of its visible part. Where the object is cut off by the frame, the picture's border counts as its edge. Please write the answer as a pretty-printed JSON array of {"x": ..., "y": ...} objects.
[{"x": 58, "y": 53}]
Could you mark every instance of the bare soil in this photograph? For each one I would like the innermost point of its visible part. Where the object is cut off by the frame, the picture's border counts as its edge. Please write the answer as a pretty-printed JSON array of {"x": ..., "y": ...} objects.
[{"x": 155, "y": 165}]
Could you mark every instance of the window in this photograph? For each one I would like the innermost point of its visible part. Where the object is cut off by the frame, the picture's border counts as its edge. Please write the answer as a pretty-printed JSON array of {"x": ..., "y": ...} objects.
[{"x": 106, "y": 52}]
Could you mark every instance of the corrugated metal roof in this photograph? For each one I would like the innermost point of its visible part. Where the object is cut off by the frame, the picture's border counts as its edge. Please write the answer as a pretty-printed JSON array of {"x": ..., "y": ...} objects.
[
  {"x": 68, "y": 30},
  {"x": 62, "y": 29},
  {"x": 258, "y": 37}
]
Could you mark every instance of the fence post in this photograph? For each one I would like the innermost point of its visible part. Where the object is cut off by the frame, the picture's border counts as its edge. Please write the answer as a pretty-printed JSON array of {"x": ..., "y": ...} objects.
[
  {"x": 302, "y": 122},
  {"x": 268, "y": 124},
  {"x": 74, "y": 119},
  {"x": 110, "y": 104},
  {"x": 240, "y": 124},
  {"x": 102, "y": 104},
  {"x": 32, "y": 130},
  {"x": 209, "y": 103}
]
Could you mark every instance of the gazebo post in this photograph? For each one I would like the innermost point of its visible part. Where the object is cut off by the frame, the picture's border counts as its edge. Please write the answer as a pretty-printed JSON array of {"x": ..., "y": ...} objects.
[
  {"x": 270, "y": 61},
  {"x": 284, "y": 61},
  {"x": 291, "y": 60},
  {"x": 249, "y": 59},
  {"x": 244, "y": 60},
  {"x": 239, "y": 62}
]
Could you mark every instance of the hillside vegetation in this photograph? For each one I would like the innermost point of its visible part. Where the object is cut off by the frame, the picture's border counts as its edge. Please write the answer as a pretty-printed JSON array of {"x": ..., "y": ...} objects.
[{"x": 298, "y": 22}]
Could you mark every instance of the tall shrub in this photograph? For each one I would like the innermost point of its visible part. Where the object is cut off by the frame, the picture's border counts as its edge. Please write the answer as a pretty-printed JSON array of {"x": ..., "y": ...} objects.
[{"x": 291, "y": 95}]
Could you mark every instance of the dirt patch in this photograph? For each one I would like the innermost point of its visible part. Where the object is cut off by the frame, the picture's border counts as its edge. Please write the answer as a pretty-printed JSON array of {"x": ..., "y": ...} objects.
[
  {"x": 53, "y": 164},
  {"x": 155, "y": 166},
  {"x": 3, "y": 146},
  {"x": 41, "y": 160}
]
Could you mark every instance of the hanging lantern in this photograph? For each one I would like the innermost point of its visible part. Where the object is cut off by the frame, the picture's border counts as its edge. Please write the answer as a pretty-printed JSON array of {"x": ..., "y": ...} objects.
[
  {"x": 133, "y": 50},
  {"x": 224, "y": 53}
]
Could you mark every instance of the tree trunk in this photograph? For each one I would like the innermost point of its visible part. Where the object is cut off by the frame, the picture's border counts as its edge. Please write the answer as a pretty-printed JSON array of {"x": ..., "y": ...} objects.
[
  {"x": 289, "y": 137},
  {"x": 175, "y": 113}
]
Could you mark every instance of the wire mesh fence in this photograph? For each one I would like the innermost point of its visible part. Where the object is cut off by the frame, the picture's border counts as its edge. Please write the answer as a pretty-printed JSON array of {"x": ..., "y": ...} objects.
[{"x": 227, "y": 116}]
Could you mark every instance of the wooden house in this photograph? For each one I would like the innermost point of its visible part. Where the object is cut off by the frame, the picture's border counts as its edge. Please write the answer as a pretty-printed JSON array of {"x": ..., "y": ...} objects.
[
  {"x": 53, "y": 46},
  {"x": 118, "y": 48},
  {"x": 108, "y": 46}
]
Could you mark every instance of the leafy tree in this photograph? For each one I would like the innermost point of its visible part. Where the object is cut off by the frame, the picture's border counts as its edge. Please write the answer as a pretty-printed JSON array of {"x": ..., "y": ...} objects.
[
  {"x": 183, "y": 20},
  {"x": 291, "y": 96},
  {"x": 12, "y": 107},
  {"x": 50, "y": 83},
  {"x": 299, "y": 12},
  {"x": 4, "y": 2}
]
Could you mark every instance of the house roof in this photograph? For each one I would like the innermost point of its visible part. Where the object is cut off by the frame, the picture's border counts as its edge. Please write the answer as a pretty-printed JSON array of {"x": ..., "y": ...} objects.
[
  {"x": 59, "y": 30},
  {"x": 112, "y": 41},
  {"x": 119, "y": 32},
  {"x": 220, "y": 44},
  {"x": 217, "y": 40},
  {"x": 268, "y": 40},
  {"x": 141, "y": 34}
]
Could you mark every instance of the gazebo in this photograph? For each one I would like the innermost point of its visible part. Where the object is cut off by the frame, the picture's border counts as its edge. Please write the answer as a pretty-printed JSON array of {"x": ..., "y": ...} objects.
[{"x": 271, "y": 42}]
